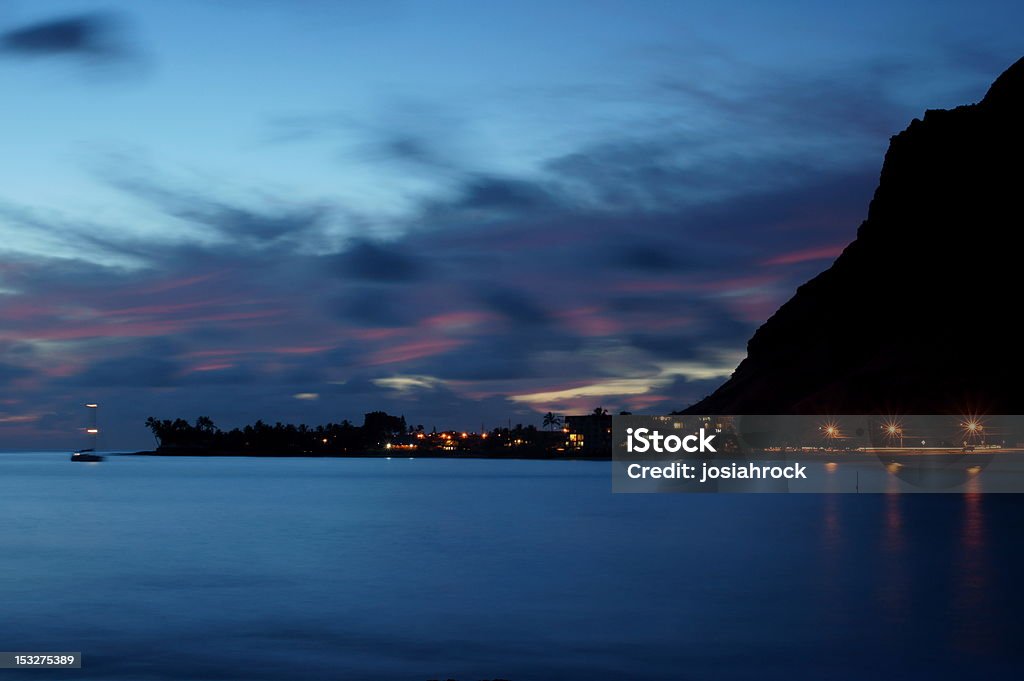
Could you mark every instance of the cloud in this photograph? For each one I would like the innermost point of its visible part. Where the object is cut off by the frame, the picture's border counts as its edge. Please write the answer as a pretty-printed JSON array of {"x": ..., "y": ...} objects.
[
  {"x": 371, "y": 306},
  {"x": 515, "y": 305},
  {"x": 409, "y": 351},
  {"x": 640, "y": 385},
  {"x": 454, "y": 315},
  {"x": 407, "y": 384},
  {"x": 11, "y": 372},
  {"x": 132, "y": 371},
  {"x": 497, "y": 193},
  {"x": 806, "y": 255},
  {"x": 96, "y": 37},
  {"x": 626, "y": 271},
  {"x": 259, "y": 224},
  {"x": 378, "y": 262},
  {"x": 647, "y": 257}
]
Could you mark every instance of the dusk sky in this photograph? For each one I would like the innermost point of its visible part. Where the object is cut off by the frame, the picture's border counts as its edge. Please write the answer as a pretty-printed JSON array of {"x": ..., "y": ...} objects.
[{"x": 461, "y": 212}]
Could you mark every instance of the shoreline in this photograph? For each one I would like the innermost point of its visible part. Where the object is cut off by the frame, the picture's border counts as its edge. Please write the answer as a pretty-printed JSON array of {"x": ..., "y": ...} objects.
[{"x": 369, "y": 455}]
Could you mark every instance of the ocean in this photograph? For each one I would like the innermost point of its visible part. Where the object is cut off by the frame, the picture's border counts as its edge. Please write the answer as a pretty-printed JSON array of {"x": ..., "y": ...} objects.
[{"x": 308, "y": 569}]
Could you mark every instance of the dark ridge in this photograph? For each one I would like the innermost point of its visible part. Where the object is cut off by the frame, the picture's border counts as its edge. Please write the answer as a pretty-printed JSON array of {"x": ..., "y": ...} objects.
[{"x": 919, "y": 314}]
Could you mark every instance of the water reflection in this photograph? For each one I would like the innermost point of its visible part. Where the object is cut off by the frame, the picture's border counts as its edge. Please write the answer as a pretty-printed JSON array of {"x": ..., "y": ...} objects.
[
  {"x": 895, "y": 588},
  {"x": 972, "y": 574},
  {"x": 892, "y": 480},
  {"x": 831, "y": 477}
]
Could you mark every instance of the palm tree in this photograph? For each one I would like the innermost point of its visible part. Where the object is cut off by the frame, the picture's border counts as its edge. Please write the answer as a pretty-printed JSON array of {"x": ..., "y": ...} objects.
[
  {"x": 552, "y": 421},
  {"x": 600, "y": 411},
  {"x": 205, "y": 425}
]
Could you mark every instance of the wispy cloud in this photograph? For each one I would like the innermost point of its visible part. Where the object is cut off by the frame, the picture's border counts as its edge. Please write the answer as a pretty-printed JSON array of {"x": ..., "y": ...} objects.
[
  {"x": 643, "y": 385},
  {"x": 806, "y": 255},
  {"x": 94, "y": 39},
  {"x": 81, "y": 35}
]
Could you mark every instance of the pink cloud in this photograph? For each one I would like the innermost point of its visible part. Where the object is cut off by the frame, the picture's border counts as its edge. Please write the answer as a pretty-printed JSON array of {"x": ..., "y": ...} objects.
[
  {"x": 22, "y": 311},
  {"x": 160, "y": 310},
  {"x": 100, "y": 330},
  {"x": 456, "y": 320},
  {"x": 60, "y": 370},
  {"x": 587, "y": 321},
  {"x": 414, "y": 350},
  {"x": 18, "y": 418},
  {"x": 303, "y": 349},
  {"x": 754, "y": 308},
  {"x": 210, "y": 366},
  {"x": 706, "y": 286},
  {"x": 238, "y": 352},
  {"x": 116, "y": 328},
  {"x": 374, "y": 334},
  {"x": 182, "y": 282},
  {"x": 643, "y": 402},
  {"x": 215, "y": 353},
  {"x": 806, "y": 255}
]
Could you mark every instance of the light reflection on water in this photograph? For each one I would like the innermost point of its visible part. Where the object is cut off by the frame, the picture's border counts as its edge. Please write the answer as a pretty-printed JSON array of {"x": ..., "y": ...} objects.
[
  {"x": 372, "y": 569},
  {"x": 894, "y": 588}
]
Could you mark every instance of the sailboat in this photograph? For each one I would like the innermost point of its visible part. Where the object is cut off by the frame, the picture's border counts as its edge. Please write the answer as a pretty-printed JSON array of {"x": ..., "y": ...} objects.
[{"x": 89, "y": 455}]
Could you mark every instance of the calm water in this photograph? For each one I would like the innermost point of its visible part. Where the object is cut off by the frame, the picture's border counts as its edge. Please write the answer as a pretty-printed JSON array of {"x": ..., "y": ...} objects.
[{"x": 159, "y": 568}]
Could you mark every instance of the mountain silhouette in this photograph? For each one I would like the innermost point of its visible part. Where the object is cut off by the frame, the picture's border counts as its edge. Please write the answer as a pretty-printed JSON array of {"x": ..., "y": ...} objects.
[{"x": 917, "y": 315}]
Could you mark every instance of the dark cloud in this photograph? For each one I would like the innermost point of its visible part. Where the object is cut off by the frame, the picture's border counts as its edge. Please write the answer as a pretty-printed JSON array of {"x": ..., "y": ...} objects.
[
  {"x": 256, "y": 227},
  {"x": 412, "y": 149},
  {"x": 273, "y": 223},
  {"x": 132, "y": 371},
  {"x": 245, "y": 374},
  {"x": 95, "y": 36},
  {"x": 712, "y": 330},
  {"x": 372, "y": 307},
  {"x": 11, "y": 372},
  {"x": 497, "y": 193},
  {"x": 378, "y": 262},
  {"x": 510, "y": 355},
  {"x": 651, "y": 258},
  {"x": 515, "y": 305},
  {"x": 489, "y": 362}
]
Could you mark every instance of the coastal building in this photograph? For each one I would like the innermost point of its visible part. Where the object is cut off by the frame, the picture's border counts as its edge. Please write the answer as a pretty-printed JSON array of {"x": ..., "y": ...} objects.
[{"x": 589, "y": 434}]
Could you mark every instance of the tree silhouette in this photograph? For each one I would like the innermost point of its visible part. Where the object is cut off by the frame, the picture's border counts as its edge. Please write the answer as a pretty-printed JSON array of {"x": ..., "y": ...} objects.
[
  {"x": 552, "y": 421},
  {"x": 205, "y": 425},
  {"x": 379, "y": 432}
]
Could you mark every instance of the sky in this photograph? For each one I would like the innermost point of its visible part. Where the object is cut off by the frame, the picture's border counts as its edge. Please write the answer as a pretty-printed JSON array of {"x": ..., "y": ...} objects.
[{"x": 466, "y": 213}]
